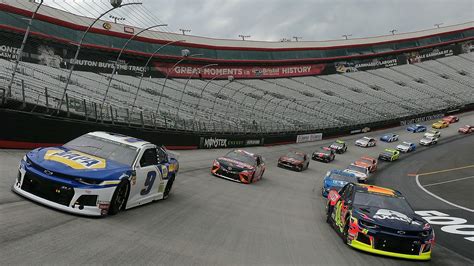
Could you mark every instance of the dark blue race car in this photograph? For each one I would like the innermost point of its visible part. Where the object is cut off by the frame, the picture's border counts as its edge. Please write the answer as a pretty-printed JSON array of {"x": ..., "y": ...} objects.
[
  {"x": 389, "y": 137},
  {"x": 416, "y": 128},
  {"x": 336, "y": 179}
]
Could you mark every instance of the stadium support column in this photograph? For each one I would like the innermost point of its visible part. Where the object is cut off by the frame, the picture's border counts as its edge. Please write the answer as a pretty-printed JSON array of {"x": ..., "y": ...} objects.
[
  {"x": 166, "y": 78},
  {"x": 118, "y": 58},
  {"x": 20, "y": 51},
  {"x": 186, "y": 84},
  {"x": 146, "y": 65},
  {"x": 73, "y": 62},
  {"x": 202, "y": 92}
]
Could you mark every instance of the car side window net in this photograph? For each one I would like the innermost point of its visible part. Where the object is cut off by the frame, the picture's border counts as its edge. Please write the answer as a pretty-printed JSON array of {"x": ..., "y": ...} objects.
[{"x": 149, "y": 157}]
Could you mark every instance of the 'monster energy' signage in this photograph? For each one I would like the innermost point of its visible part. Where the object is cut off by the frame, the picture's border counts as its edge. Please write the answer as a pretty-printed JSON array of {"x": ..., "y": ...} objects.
[{"x": 197, "y": 71}]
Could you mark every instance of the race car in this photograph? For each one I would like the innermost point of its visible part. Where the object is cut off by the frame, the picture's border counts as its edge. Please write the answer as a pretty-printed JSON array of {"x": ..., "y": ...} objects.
[
  {"x": 96, "y": 174},
  {"x": 433, "y": 133},
  {"x": 451, "y": 119},
  {"x": 379, "y": 220},
  {"x": 389, "y": 137},
  {"x": 239, "y": 166},
  {"x": 440, "y": 124},
  {"x": 294, "y": 160},
  {"x": 427, "y": 141},
  {"x": 366, "y": 142},
  {"x": 324, "y": 154},
  {"x": 389, "y": 155},
  {"x": 361, "y": 172},
  {"x": 416, "y": 128},
  {"x": 466, "y": 129},
  {"x": 406, "y": 147},
  {"x": 367, "y": 162},
  {"x": 339, "y": 146},
  {"x": 336, "y": 179}
]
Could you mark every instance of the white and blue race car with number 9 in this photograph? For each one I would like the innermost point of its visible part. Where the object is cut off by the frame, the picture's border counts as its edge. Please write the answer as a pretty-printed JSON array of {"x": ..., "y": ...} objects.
[{"x": 96, "y": 174}]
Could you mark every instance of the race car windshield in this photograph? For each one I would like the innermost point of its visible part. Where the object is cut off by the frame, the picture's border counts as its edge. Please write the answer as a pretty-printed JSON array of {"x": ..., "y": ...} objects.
[
  {"x": 104, "y": 148},
  {"x": 357, "y": 168},
  {"x": 295, "y": 156},
  {"x": 382, "y": 202},
  {"x": 344, "y": 178},
  {"x": 241, "y": 157}
]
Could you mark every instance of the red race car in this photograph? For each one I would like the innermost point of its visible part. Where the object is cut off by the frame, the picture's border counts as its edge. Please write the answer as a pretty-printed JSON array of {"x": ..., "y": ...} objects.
[
  {"x": 240, "y": 166},
  {"x": 451, "y": 119},
  {"x": 367, "y": 162},
  {"x": 466, "y": 129}
]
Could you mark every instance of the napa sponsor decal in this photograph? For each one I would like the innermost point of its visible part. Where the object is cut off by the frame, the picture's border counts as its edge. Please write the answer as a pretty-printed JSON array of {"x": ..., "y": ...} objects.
[{"x": 75, "y": 159}]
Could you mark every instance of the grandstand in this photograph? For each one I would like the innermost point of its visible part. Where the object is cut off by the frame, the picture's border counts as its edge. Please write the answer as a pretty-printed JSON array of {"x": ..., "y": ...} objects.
[{"x": 292, "y": 103}]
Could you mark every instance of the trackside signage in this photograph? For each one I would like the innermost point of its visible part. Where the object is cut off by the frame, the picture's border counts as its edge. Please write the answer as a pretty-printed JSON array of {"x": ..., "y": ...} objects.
[
  {"x": 421, "y": 119},
  {"x": 309, "y": 137},
  {"x": 239, "y": 71},
  {"x": 216, "y": 142}
]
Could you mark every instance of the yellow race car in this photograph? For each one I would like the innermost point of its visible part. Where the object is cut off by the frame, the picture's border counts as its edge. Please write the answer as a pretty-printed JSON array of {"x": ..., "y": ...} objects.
[{"x": 440, "y": 124}]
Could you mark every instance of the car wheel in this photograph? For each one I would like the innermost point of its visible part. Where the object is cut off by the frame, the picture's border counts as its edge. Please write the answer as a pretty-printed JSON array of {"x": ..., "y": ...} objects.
[
  {"x": 345, "y": 232},
  {"x": 119, "y": 199},
  {"x": 169, "y": 185}
]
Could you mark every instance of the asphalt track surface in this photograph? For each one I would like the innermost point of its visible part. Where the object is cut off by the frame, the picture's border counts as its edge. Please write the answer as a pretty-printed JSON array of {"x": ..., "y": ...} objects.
[{"x": 212, "y": 221}]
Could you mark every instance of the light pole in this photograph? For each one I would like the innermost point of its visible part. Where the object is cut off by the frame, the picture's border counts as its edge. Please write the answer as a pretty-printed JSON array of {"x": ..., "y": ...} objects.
[
  {"x": 393, "y": 31},
  {"x": 166, "y": 78},
  {"x": 115, "y": 4},
  {"x": 20, "y": 51},
  {"x": 184, "y": 31},
  {"x": 118, "y": 58},
  {"x": 186, "y": 84},
  {"x": 202, "y": 92},
  {"x": 146, "y": 65},
  {"x": 244, "y": 36},
  {"x": 346, "y": 36}
]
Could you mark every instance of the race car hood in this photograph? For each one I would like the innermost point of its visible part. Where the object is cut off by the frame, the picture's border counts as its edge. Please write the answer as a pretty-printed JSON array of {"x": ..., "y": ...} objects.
[
  {"x": 403, "y": 146},
  {"x": 290, "y": 160},
  {"x": 390, "y": 218},
  {"x": 356, "y": 173},
  {"x": 61, "y": 160},
  {"x": 362, "y": 141},
  {"x": 336, "y": 184},
  {"x": 234, "y": 164}
]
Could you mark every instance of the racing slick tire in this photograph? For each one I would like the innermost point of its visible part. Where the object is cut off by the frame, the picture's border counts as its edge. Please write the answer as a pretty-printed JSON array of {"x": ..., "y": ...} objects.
[
  {"x": 345, "y": 232},
  {"x": 119, "y": 199},
  {"x": 168, "y": 187}
]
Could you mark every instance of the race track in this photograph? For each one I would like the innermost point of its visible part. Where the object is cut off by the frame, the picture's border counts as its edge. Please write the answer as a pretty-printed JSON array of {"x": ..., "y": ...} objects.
[{"x": 211, "y": 221}]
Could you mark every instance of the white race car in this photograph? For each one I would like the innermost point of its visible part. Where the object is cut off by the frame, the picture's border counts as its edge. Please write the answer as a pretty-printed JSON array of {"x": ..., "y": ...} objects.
[
  {"x": 433, "y": 133},
  {"x": 427, "y": 141},
  {"x": 366, "y": 142},
  {"x": 362, "y": 173},
  {"x": 406, "y": 147},
  {"x": 97, "y": 174}
]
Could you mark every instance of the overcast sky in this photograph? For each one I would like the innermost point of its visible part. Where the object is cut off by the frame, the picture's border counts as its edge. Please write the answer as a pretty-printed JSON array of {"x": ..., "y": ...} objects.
[{"x": 313, "y": 20}]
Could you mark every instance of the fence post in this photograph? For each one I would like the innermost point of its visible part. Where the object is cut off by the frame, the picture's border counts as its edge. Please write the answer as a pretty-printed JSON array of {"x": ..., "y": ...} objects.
[
  {"x": 112, "y": 114},
  {"x": 85, "y": 109},
  {"x": 67, "y": 105},
  {"x": 128, "y": 116},
  {"x": 46, "y": 98},
  {"x": 3, "y": 95},
  {"x": 95, "y": 111},
  {"x": 23, "y": 105},
  {"x": 141, "y": 118}
]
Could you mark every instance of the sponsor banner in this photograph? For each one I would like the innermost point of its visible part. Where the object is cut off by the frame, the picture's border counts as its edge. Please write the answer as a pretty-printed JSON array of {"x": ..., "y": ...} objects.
[
  {"x": 362, "y": 130},
  {"x": 239, "y": 72},
  {"x": 309, "y": 137},
  {"x": 421, "y": 119},
  {"x": 216, "y": 142},
  {"x": 362, "y": 65}
]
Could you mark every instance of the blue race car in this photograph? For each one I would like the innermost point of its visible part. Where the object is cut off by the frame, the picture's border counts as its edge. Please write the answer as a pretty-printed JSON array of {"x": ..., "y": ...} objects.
[
  {"x": 416, "y": 128},
  {"x": 96, "y": 174},
  {"x": 406, "y": 147},
  {"x": 389, "y": 137},
  {"x": 336, "y": 179}
]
